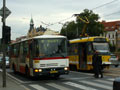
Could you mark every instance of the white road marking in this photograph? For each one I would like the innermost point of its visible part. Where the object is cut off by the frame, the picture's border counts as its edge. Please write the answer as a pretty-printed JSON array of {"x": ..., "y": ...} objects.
[
  {"x": 58, "y": 86},
  {"x": 82, "y": 73},
  {"x": 38, "y": 87},
  {"x": 97, "y": 85},
  {"x": 79, "y": 86},
  {"x": 111, "y": 79},
  {"x": 79, "y": 78},
  {"x": 105, "y": 82},
  {"x": 20, "y": 81},
  {"x": 15, "y": 78}
]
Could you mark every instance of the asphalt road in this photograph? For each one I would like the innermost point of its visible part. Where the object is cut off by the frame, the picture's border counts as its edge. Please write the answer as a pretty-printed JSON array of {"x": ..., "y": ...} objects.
[{"x": 73, "y": 81}]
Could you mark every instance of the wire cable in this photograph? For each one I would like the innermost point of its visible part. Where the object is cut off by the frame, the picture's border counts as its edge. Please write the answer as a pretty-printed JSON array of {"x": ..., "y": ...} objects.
[
  {"x": 104, "y": 4},
  {"x": 112, "y": 13}
]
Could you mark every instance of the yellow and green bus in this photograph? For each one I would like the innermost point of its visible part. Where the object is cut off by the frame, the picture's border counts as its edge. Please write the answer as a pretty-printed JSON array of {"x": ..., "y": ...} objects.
[{"x": 81, "y": 51}]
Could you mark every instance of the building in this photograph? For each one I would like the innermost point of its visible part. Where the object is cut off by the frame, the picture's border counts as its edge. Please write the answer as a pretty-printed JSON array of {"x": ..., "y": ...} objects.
[
  {"x": 39, "y": 30},
  {"x": 112, "y": 31}
]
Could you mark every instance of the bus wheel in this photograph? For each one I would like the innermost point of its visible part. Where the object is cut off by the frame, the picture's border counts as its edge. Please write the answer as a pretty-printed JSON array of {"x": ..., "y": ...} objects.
[
  {"x": 14, "y": 70},
  {"x": 116, "y": 65},
  {"x": 27, "y": 73}
]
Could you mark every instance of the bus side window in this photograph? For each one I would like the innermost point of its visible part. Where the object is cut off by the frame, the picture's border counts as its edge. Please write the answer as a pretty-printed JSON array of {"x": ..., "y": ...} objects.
[
  {"x": 73, "y": 49},
  {"x": 31, "y": 49},
  {"x": 90, "y": 50},
  {"x": 12, "y": 50},
  {"x": 36, "y": 48},
  {"x": 25, "y": 49}
]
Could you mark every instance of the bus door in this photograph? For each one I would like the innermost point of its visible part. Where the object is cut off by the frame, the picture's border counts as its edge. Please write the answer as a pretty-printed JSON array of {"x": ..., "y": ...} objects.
[
  {"x": 31, "y": 52},
  {"x": 82, "y": 56},
  {"x": 17, "y": 57},
  {"x": 22, "y": 53}
]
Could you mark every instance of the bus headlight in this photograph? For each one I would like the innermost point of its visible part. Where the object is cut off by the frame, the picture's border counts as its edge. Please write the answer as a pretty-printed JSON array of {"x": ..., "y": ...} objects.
[
  {"x": 65, "y": 68},
  {"x": 36, "y": 70},
  {"x": 40, "y": 70}
]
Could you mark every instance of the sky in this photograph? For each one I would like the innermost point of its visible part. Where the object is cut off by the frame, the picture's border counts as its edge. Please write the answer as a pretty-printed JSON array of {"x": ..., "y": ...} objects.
[{"x": 51, "y": 11}]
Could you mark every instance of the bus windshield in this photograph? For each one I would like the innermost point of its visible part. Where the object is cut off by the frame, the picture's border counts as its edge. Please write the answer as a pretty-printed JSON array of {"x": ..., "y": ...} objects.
[
  {"x": 101, "y": 47},
  {"x": 51, "y": 47}
]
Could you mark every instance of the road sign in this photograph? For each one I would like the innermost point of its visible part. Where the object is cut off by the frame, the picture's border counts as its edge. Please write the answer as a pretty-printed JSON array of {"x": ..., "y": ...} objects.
[{"x": 7, "y": 12}]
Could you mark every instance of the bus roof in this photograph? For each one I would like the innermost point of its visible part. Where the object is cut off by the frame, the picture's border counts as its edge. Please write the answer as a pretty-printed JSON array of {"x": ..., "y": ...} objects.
[
  {"x": 41, "y": 36},
  {"x": 49, "y": 36},
  {"x": 87, "y": 39}
]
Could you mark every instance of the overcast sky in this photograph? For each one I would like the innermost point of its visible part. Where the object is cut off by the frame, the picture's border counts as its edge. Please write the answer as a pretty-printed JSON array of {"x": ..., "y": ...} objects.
[{"x": 51, "y": 11}]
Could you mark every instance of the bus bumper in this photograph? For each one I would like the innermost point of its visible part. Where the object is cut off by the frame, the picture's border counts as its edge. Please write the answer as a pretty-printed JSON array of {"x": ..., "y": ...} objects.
[{"x": 51, "y": 71}]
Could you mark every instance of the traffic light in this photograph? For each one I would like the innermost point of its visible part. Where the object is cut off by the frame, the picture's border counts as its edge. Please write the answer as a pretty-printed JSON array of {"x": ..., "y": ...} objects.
[{"x": 6, "y": 34}]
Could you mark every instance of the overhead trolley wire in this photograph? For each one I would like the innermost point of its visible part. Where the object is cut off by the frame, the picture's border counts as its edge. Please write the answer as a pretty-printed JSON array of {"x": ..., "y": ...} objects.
[
  {"x": 104, "y": 4},
  {"x": 112, "y": 13},
  {"x": 50, "y": 24}
]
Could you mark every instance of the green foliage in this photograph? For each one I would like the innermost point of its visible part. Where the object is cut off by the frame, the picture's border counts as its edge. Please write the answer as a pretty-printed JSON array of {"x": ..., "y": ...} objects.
[
  {"x": 94, "y": 28},
  {"x": 69, "y": 30}
]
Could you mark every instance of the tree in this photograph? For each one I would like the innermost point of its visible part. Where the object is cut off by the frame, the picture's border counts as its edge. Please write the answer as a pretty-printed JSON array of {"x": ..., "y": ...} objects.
[
  {"x": 69, "y": 30},
  {"x": 74, "y": 28}
]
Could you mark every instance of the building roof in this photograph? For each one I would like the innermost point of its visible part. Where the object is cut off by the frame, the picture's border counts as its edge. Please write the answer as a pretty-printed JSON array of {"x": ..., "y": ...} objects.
[
  {"x": 31, "y": 21},
  {"x": 111, "y": 26}
]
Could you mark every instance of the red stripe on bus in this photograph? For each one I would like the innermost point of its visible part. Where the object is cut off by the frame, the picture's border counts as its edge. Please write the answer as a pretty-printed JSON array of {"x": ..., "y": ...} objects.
[
  {"x": 22, "y": 69},
  {"x": 50, "y": 58}
]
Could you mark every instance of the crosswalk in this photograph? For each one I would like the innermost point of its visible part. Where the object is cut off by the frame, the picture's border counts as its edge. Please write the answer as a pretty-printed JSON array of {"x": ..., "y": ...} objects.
[{"x": 92, "y": 84}]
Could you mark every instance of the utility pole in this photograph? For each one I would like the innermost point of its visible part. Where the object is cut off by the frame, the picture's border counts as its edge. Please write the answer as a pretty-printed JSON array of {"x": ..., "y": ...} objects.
[
  {"x": 4, "y": 12},
  {"x": 4, "y": 45}
]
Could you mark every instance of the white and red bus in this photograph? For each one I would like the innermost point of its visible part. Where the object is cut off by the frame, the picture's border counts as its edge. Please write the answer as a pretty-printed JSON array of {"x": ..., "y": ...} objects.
[{"x": 40, "y": 55}]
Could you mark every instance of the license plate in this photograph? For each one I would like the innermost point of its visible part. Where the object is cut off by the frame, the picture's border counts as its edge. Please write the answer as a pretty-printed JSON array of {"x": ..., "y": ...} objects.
[{"x": 53, "y": 71}]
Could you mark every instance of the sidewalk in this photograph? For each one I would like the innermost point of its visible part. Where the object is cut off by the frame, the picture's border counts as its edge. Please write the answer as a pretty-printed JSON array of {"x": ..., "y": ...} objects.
[{"x": 10, "y": 84}]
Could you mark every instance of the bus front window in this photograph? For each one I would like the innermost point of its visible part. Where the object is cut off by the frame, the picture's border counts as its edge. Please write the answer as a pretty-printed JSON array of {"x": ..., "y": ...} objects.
[
  {"x": 51, "y": 47},
  {"x": 102, "y": 47}
]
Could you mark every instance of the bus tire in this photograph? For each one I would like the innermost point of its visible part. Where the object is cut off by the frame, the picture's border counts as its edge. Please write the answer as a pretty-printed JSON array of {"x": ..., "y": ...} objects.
[
  {"x": 116, "y": 66},
  {"x": 27, "y": 73},
  {"x": 14, "y": 69}
]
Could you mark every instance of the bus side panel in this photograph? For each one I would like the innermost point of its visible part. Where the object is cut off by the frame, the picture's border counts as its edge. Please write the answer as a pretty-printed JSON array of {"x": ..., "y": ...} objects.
[
  {"x": 74, "y": 62},
  {"x": 13, "y": 63},
  {"x": 105, "y": 59},
  {"x": 89, "y": 62}
]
